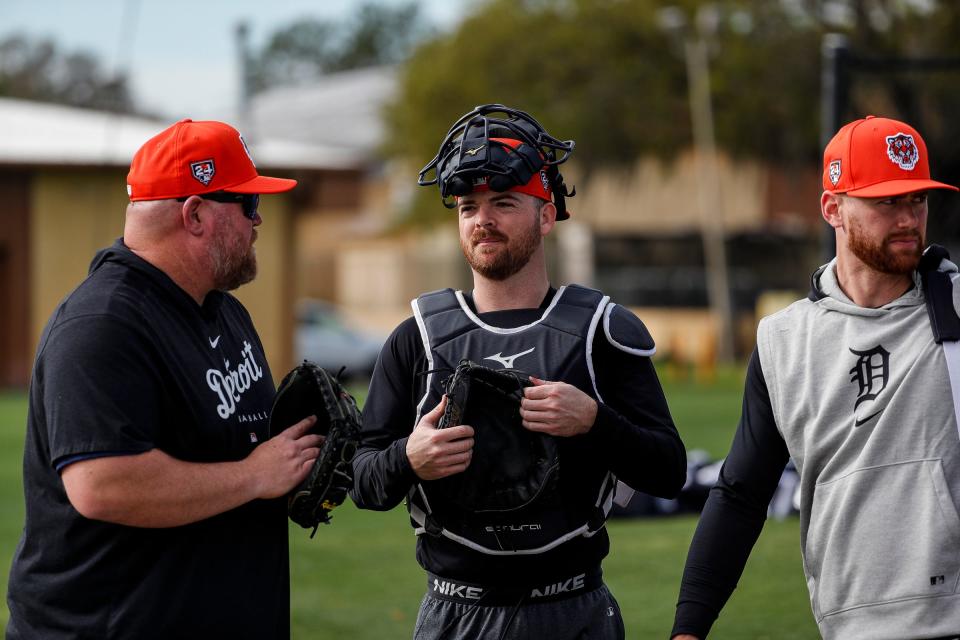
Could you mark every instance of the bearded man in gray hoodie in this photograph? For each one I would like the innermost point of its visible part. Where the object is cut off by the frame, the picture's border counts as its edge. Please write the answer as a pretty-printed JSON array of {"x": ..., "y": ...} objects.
[{"x": 858, "y": 384}]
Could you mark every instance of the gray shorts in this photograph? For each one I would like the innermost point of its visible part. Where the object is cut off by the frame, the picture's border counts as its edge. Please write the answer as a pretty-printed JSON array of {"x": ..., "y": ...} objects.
[{"x": 593, "y": 615}]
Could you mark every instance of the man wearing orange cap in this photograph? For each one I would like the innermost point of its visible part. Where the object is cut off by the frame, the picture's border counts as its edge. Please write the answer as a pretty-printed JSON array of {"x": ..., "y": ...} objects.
[
  {"x": 533, "y": 571},
  {"x": 153, "y": 489},
  {"x": 860, "y": 385}
]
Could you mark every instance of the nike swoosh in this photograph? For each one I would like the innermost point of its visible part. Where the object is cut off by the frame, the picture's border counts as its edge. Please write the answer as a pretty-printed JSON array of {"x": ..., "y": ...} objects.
[
  {"x": 214, "y": 342},
  {"x": 867, "y": 419}
]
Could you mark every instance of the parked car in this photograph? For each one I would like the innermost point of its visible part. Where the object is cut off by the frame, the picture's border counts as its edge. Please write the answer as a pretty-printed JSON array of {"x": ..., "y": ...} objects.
[{"x": 324, "y": 337}]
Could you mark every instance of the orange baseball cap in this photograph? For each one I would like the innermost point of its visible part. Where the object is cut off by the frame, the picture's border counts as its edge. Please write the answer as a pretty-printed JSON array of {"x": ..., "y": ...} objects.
[
  {"x": 877, "y": 157},
  {"x": 193, "y": 158}
]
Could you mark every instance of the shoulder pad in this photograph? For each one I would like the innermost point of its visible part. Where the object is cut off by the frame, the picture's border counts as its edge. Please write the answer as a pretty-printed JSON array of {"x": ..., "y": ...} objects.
[
  {"x": 434, "y": 302},
  {"x": 626, "y": 332}
]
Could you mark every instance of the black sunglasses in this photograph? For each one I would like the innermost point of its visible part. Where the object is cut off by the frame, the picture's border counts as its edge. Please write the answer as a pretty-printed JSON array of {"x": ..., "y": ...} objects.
[{"x": 248, "y": 201}]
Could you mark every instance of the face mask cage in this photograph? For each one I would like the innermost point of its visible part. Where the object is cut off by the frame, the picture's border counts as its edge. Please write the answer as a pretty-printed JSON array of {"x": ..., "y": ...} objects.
[{"x": 472, "y": 152}]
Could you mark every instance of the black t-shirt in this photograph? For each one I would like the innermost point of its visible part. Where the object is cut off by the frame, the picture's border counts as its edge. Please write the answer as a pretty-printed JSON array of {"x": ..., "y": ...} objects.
[
  {"x": 634, "y": 437},
  {"x": 128, "y": 363}
]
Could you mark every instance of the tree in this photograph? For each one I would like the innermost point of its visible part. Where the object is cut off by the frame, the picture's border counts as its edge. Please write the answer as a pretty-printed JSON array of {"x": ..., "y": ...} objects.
[
  {"x": 598, "y": 72},
  {"x": 309, "y": 48},
  {"x": 36, "y": 70},
  {"x": 606, "y": 73}
]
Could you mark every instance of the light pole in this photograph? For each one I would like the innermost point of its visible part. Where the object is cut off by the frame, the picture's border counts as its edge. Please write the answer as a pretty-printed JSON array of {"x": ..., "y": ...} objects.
[
  {"x": 673, "y": 21},
  {"x": 245, "y": 90}
]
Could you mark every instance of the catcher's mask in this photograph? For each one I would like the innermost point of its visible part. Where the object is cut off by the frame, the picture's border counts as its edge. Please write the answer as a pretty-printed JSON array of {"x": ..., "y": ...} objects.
[{"x": 502, "y": 149}]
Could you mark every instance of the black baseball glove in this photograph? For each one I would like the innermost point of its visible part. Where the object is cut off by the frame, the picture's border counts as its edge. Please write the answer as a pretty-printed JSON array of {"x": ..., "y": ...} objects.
[
  {"x": 511, "y": 465},
  {"x": 311, "y": 390}
]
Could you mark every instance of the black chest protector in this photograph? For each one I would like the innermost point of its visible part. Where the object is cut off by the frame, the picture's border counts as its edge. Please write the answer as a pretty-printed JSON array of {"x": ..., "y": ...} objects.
[{"x": 557, "y": 346}]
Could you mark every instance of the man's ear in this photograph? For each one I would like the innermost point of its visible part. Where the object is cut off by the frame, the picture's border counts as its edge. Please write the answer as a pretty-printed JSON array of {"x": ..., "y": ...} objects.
[
  {"x": 830, "y": 208},
  {"x": 191, "y": 215},
  {"x": 548, "y": 217}
]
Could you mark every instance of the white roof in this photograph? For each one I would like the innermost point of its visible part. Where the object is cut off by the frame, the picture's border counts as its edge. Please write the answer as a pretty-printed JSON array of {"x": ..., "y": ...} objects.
[
  {"x": 341, "y": 110},
  {"x": 38, "y": 133}
]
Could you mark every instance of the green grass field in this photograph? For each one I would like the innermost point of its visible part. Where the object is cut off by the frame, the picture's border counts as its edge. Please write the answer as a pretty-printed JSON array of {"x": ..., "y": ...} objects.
[{"x": 358, "y": 579}]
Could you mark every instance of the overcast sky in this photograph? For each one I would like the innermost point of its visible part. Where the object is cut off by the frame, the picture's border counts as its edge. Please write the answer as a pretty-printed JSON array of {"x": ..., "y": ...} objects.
[{"x": 180, "y": 55}]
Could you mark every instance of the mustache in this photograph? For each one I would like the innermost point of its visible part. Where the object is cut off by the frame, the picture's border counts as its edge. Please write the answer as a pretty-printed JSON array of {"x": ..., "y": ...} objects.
[
  {"x": 907, "y": 235},
  {"x": 484, "y": 234}
]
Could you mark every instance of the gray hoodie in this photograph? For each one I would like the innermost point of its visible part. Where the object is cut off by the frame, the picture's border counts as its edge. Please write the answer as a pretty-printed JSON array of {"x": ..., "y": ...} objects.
[{"x": 863, "y": 401}]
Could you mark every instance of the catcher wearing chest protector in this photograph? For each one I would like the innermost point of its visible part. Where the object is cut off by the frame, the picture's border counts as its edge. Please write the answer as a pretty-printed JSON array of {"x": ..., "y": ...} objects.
[
  {"x": 311, "y": 390},
  {"x": 506, "y": 415}
]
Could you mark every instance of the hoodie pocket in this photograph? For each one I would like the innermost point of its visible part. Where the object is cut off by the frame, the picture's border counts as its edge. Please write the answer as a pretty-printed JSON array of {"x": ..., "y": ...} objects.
[{"x": 882, "y": 534}]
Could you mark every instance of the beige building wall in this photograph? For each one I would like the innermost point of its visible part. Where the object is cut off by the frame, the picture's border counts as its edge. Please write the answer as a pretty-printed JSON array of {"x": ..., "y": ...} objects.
[
  {"x": 655, "y": 196},
  {"x": 74, "y": 213},
  {"x": 319, "y": 235},
  {"x": 377, "y": 278}
]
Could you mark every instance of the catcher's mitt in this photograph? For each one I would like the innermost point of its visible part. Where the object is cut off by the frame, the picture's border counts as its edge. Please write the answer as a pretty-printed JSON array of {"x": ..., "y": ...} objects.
[
  {"x": 311, "y": 390},
  {"x": 511, "y": 465}
]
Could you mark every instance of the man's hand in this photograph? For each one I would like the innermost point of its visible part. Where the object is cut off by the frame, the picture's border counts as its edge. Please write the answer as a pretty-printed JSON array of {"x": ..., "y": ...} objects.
[
  {"x": 438, "y": 453},
  {"x": 283, "y": 461},
  {"x": 557, "y": 409}
]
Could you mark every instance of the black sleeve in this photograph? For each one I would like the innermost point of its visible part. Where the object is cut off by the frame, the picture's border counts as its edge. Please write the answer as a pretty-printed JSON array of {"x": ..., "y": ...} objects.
[
  {"x": 735, "y": 511},
  {"x": 633, "y": 426},
  {"x": 382, "y": 473},
  {"x": 93, "y": 372}
]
